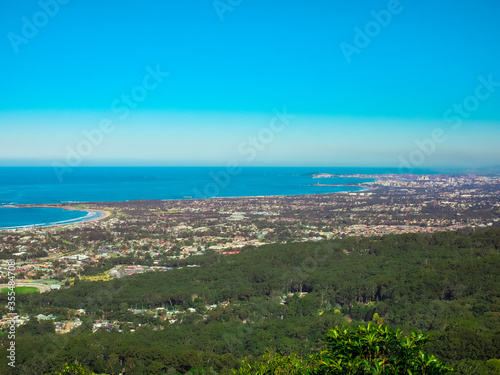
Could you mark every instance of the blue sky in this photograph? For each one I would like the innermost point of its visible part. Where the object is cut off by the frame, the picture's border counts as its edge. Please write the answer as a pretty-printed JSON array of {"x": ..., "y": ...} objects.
[{"x": 231, "y": 66}]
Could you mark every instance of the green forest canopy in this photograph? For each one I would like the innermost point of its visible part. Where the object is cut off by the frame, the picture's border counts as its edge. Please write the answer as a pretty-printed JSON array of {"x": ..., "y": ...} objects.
[{"x": 445, "y": 284}]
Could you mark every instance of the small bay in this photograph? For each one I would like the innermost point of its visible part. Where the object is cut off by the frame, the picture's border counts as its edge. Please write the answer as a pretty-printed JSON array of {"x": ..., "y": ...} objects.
[{"x": 23, "y": 217}]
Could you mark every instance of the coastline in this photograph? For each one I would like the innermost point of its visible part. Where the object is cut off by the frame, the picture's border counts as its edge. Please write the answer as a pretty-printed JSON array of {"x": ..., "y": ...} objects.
[
  {"x": 95, "y": 215},
  {"x": 254, "y": 196},
  {"x": 106, "y": 214}
]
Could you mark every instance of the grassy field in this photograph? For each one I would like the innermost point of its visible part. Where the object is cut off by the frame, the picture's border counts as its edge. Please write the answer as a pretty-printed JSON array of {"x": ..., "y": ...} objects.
[
  {"x": 22, "y": 290},
  {"x": 44, "y": 281},
  {"x": 104, "y": 276},
  {"x": 78, "y": 206}
]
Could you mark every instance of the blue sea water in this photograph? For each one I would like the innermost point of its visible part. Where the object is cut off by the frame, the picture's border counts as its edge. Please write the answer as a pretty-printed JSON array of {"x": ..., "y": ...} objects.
[
  {"x": 17, "y": 217},
  {"x": 38, "y": 185}
]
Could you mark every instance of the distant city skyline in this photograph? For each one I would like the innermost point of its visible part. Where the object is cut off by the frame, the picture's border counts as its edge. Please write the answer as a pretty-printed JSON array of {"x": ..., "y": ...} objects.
[{"x": 367, "y": 83}]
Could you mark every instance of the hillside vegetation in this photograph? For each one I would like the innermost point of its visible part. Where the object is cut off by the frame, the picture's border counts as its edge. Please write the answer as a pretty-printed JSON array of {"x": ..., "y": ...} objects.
[{"x": 283, "y": 298}]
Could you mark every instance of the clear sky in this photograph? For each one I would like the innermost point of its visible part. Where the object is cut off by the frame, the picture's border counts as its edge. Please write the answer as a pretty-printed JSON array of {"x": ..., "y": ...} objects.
[{"x": 369, "y": 83}]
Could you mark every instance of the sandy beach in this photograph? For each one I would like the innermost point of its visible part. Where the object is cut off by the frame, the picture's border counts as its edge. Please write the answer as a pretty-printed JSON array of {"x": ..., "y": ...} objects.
[{"x": 105, "y": 215}]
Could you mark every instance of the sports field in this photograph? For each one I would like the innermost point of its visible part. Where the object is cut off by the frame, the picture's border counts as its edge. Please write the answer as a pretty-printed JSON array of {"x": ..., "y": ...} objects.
[{"x": 22, "y": 290}]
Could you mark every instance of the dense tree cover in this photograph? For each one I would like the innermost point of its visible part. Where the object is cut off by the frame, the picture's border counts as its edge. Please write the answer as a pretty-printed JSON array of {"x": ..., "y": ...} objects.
[
  {"x": 446, "y": 284},
  {"x": 108, "y": 263},
  {"x": 362, "y": 350},
  {"x": 74, "y": 369}
]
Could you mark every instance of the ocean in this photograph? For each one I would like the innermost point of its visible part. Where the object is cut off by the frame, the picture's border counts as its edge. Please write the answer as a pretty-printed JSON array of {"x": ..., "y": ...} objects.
[
  {"x": 19, "y": 217},
  {"x": 39, "y": 185}
]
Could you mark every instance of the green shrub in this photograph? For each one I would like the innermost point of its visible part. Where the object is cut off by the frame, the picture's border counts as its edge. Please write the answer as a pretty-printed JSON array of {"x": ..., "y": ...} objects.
[{"x": 362, "y": 350}]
